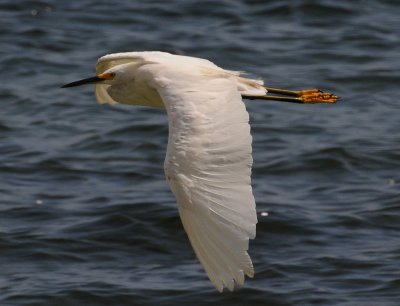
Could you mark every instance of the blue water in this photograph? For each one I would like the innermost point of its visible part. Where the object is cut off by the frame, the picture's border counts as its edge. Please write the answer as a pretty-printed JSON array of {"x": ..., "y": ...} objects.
[{"x": 86, "y": 216}]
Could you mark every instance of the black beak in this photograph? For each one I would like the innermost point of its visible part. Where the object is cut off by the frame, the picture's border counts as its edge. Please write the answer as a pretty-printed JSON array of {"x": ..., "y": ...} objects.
[{"x": 84, "y": 81}]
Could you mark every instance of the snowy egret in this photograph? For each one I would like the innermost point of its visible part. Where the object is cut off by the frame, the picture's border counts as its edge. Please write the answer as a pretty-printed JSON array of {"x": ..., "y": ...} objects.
[{"x": 208, "y": 161}]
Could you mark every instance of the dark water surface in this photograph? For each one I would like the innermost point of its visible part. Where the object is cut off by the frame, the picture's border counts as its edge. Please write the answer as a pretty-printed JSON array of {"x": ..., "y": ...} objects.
[{"x": 86, "y": 216}]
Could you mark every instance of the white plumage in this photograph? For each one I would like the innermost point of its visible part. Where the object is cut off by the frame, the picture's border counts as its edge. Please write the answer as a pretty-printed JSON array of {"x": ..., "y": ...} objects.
[{"x": 208, "y": 161}]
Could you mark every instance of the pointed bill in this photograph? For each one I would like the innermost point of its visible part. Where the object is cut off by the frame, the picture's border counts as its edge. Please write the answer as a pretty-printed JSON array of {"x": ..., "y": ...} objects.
[{"x": 90, "y": 80}]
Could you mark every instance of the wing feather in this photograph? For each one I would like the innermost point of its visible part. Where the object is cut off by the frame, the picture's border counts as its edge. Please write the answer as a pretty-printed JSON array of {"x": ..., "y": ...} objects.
[
  {"x": 107, "y": 61},
  {"x": 208, "y": 168}
]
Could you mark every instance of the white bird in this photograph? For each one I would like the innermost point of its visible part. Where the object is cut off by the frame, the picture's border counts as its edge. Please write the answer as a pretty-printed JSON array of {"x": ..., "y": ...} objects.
[{"x": 208, "y": 161}]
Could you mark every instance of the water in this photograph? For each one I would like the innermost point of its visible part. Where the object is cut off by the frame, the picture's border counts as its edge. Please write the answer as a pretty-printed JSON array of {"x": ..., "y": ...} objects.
[{"x": 86, "y": 215}]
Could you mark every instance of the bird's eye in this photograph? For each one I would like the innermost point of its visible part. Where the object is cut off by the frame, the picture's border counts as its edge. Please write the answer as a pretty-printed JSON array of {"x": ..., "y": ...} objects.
[{"x": 112, "y": 74}]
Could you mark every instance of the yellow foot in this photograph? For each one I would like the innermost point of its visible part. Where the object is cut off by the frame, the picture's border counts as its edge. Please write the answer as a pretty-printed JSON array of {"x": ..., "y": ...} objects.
[
  {"x": 307, "y": 96},
  {"x": 311, "y": 96}
]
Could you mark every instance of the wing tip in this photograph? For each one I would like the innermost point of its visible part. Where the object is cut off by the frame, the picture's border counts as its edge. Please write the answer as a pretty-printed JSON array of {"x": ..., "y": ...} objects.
[
  {"x": 232, "y": 283},
  {"x": 233, "y": 280}
]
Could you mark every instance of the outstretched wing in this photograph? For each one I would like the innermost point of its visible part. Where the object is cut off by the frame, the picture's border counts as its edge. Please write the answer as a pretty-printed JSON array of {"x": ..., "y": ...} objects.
[{"x": 208, "y": 168}]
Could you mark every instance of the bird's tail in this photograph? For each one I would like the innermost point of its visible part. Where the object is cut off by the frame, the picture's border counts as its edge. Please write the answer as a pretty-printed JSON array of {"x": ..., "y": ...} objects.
[{"x": 251, "y": 87}]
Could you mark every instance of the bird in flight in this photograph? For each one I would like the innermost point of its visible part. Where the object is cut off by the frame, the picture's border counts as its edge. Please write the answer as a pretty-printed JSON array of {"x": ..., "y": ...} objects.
[{"x": 209, "y": 154}]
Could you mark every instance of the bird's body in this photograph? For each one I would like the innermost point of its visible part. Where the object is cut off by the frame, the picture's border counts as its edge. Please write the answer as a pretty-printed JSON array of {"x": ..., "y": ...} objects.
[
  {"x": 208, "y": 161},
  {"x": 152, "y": 69}
]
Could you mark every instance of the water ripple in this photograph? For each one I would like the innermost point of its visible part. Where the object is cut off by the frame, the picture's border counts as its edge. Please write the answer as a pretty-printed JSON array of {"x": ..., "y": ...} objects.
[{"x": 86, "y": 213}]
